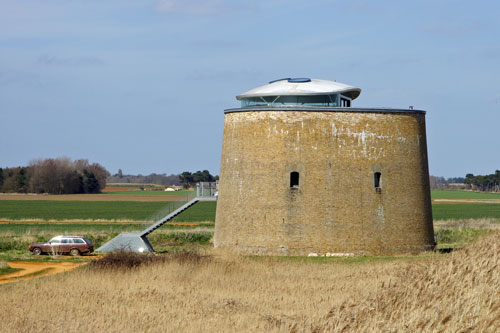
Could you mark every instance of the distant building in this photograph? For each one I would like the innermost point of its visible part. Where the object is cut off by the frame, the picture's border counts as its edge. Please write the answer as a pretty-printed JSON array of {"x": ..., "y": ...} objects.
[{"x": 304, "y": 172}]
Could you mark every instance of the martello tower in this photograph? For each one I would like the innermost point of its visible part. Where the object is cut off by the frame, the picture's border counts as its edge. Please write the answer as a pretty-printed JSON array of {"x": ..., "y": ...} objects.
[{"x": 303, "y": 171}]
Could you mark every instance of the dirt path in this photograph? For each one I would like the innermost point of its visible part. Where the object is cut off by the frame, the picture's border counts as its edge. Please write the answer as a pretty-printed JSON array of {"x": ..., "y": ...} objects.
[{"x": 30, "y": 270}]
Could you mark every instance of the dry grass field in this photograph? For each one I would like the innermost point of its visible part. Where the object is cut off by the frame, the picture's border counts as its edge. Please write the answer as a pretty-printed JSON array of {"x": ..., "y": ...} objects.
[{"x": 456, "y": 292}]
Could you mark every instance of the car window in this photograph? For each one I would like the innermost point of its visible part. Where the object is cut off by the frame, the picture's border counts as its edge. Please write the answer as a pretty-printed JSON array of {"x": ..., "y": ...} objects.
[
  {"x": 88, "y": 241},
  {"x": 67, "y": 241},
  {"x": 55, "y": 240},
  {"x": 78, "y": 240}
]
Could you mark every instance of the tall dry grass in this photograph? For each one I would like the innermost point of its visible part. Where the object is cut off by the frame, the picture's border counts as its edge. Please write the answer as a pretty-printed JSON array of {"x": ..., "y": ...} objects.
[
  {"x": 451, "y": 293},
  {"x": 458, "y": 293}
]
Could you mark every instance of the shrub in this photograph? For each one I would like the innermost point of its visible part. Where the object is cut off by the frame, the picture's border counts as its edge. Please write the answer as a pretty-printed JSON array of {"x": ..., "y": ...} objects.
[
  {"x": 458, "y": 236},
  {"x": 13, "y": 243},
  {"x": 129, "y": 260}
]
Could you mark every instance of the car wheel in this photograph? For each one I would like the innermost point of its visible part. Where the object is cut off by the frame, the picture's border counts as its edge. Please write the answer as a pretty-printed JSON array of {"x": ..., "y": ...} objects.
[
  {"x": 74, "y": 252},
  {"x": 37, "y": 251}
]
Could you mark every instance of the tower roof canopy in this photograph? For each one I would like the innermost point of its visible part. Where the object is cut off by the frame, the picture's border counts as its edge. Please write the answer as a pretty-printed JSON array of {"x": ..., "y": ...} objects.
[{"x": 301, "y": 87}]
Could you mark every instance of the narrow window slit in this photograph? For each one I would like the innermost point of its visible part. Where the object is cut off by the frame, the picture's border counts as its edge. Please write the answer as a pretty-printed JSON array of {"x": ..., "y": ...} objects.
[
  {"x": 294, "y": 179},
  {"x": 376, "y": 179}
]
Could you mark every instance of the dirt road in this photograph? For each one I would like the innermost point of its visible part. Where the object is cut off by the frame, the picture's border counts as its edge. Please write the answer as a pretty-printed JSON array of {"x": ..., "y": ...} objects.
[{"x": 33, "y": 269}]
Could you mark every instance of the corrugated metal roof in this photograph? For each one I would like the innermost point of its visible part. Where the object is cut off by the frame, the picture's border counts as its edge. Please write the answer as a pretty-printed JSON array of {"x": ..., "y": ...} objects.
[{"x": 295, "y": 87}]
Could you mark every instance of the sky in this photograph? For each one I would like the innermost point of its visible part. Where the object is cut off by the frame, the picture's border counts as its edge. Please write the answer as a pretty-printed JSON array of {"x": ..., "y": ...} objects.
[{"x": 141, "y": 85}]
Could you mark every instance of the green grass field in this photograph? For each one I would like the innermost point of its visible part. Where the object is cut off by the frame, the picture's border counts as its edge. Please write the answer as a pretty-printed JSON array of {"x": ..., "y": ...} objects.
[
  {"x": 83, "y": 210},
  {"x": 465, "y": 211},
  {"x": 445, "y": 211},
  {"x": 102, "y": 210},
  {"x": 202, "y": 211},
  {"x": 138, "y": 192},
  {"x": 14, "y": 242},
  {"x": 80, "y": 228},
  {"x": 66, "y": 229},
  {"x": 443, "y": 194},
  {"x": 15, "y": 237}
]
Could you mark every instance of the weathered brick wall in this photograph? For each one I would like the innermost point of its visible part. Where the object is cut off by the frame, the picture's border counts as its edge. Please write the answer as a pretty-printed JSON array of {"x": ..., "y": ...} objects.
[{"x": 336, "y": 207}]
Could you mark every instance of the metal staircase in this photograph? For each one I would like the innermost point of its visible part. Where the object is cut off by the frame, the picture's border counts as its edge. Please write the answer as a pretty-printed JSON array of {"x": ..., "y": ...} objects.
[
  {"x": 137, "y": 241},
  {"x": 176, "y": 212}
]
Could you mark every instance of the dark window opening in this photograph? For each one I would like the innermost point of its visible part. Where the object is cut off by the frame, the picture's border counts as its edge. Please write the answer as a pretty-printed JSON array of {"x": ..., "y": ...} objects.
[
  {"x": 294, "y": 179},
  {"x": 345, "y": 102},
  {"x": 376, "y": 177}
]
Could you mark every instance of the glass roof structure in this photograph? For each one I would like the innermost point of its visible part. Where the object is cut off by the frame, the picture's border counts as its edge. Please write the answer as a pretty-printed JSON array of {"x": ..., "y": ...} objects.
[{"x": 300, "y": 91}]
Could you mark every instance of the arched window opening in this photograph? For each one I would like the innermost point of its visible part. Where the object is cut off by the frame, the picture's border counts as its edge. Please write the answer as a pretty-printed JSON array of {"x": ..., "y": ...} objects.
[
  {"x": 294, "y": 179},
  {"x": 376, "y": 179}
]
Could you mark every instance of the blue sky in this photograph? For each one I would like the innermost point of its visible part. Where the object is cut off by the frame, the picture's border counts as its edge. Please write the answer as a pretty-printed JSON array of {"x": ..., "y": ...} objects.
[{"x": 142, "y": 85}]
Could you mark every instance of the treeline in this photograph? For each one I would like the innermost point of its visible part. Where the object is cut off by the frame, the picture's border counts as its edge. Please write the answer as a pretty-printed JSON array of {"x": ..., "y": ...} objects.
[
  {"x": 186, "y": 179},
  {"x": 486, "y": 183},
  {"x": 455, "y": 183},
  {"x": 189, "y": 179},
  {"x": 158, "y": 179},
  {"x": 54, "y": 176}
]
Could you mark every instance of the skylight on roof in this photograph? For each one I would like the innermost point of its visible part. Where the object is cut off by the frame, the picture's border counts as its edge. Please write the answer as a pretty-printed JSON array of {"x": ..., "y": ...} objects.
[{"x": 299, "y": 80}]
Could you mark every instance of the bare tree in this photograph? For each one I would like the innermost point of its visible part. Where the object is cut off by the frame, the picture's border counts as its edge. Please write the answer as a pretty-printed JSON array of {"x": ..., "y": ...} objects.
[{"x": 62, "y": 175}]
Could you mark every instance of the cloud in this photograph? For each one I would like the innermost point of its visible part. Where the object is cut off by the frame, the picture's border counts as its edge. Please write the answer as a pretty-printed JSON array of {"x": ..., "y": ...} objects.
[
  {"x": 78, "y": 61},
  {"x": 206, "y": 7}
]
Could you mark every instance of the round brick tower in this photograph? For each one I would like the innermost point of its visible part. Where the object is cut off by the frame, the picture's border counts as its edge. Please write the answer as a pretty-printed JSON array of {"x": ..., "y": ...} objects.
[{"x": 304, "y": 172}]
